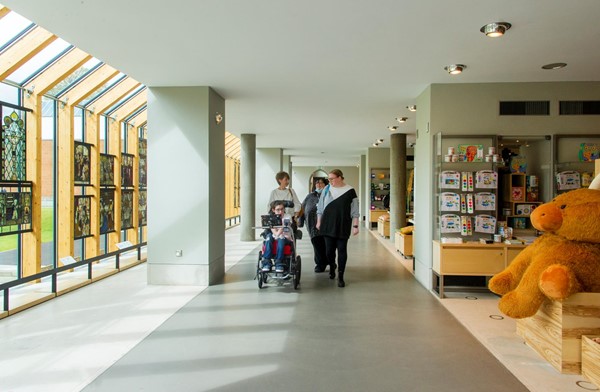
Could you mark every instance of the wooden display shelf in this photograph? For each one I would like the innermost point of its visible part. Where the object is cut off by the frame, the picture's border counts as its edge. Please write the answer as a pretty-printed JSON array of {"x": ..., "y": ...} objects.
[
  {"x": 555, "y": 330},
  {"x": 470, "y": 259}
]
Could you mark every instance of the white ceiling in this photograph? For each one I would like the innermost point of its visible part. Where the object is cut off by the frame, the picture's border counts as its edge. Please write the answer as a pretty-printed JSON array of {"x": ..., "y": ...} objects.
[{"x": 325, "y": 78}]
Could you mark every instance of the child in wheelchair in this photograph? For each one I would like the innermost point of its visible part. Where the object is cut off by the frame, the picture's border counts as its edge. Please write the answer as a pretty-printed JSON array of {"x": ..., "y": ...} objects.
[{"x": 278, "y": 230}]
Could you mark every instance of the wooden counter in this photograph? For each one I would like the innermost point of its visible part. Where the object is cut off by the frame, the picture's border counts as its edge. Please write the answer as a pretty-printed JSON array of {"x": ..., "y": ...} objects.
[{"x": 470, "y": 259}]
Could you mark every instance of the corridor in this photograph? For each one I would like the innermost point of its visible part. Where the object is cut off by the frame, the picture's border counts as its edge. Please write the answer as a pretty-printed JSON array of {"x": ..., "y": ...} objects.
[{"x": 383, "y": 332}]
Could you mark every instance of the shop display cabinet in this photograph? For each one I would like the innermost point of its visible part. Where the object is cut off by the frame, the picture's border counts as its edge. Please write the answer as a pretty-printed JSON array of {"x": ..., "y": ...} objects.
[{"x": 574, "y": 161}]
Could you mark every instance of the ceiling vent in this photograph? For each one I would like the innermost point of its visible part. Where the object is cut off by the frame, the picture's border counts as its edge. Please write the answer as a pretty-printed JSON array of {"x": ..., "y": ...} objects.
[
  {"x": 525, "y": 108},
  {"x": 579, "y": 107}
]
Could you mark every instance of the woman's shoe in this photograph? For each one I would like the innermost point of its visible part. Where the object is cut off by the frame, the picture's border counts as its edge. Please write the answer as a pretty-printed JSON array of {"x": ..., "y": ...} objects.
[
  {"x": 341, "y": 282},
  {"x": 332, "y": 271}
]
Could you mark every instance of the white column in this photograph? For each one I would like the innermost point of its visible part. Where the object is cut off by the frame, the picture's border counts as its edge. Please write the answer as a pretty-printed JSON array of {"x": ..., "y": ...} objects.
[
  {"x": 248, "y": 187},
  {"x": 186, "y": 170}
]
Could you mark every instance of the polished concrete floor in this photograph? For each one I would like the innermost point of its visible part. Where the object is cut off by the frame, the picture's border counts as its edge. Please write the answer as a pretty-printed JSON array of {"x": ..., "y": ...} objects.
[{"x": 382, "y": 332}]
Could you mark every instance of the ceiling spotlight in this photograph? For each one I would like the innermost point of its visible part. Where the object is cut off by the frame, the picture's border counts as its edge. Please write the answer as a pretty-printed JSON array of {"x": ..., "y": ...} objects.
[
  {"x": 379, "y": 140},
  {"x": 401, "y": 119},
  {"x": 393, "y": 128},
  {"x": 496, "y": 29},
  {"x": 554, "y": 66},
  {"x": 455, "y": 69},
  {"x": 412, "y": 108},
  {"x": 375, "y": 144}
]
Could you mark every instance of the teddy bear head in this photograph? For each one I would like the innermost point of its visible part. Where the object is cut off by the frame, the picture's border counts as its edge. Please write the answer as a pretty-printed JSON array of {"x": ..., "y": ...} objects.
[{"x": 574, "y": 215}]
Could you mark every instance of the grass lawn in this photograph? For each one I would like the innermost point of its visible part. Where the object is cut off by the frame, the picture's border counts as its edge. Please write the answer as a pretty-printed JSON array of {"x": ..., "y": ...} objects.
[{"x": 9, "y": 242}]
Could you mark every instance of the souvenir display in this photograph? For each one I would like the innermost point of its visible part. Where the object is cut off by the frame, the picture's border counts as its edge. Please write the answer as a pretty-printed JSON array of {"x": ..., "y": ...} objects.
[
  {"x": 449, "y": 201},
  {"x": 450, "y": 180},
  {"x": 485, "y": 201},
  {"x": 450, "y": 223},
  {"x": 485, "y": 224},
  {"x": 486, "y": 179}
]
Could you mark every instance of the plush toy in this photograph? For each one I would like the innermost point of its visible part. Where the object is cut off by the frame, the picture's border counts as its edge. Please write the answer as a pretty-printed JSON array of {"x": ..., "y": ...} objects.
[{"x": 561, "y": 262}]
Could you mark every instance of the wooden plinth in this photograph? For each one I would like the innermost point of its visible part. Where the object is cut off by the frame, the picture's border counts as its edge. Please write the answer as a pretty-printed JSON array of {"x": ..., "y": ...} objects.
[
  {"x": 590, "y": 359},
  {"x": 404, "y": 244},
  {"x": 383, "y": 225},
  {"x": 555, "y": 330}
]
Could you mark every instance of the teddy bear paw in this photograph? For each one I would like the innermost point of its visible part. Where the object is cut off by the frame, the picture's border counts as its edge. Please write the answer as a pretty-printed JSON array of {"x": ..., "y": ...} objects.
[
  {"x": 558, "y": 282},
  {"x": 518, "y": 306},
  {"x": 501, "y": 283}
]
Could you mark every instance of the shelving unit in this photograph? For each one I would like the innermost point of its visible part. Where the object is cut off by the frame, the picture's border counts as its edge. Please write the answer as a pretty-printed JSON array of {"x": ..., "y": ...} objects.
[
  {"x": 467, "y": 189},
  {"x": 380, "y": 187},
  {"x": 521, "y": 197},
  {"x": 574, "y": 166},
  {"x": 465, "y": 213}
]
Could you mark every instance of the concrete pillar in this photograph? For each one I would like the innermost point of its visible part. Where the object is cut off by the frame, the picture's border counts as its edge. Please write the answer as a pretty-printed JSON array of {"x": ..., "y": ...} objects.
[
  {"x": 248, "y": 187},
  {"x": 186, "y": 180},
  {"x": 365, "y": 191},
  {"x": 397, "y": 182}
]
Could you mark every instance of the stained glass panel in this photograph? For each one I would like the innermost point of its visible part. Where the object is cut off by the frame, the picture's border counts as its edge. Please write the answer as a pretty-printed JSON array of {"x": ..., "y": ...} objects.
[
  {"x": 127, "y": 170},
  {"x": 142, "y": 209},
  {"x": 107, "y": 170},
  {"x": 82, "y": 216},
  {"x": 143, "y": 164},
  {"x": 15, "y": 210},
  {"x": 107, "y": 211},
  {"x": 13, "y": 145},
  {"x": 126, "y": 210},
  {"x": 82, "y": 163}
]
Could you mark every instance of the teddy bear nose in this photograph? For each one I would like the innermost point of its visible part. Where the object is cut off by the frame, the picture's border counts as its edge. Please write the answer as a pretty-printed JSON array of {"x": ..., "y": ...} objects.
[{"x": 547, "y": 218}]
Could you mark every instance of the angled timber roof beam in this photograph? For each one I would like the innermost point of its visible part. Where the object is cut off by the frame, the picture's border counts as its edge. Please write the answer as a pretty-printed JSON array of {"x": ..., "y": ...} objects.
[
  {"x": 130, "y": 106},
  {"x": 24, "y": 49},
  {"x": 58, "y": 71},
  {"x": 139, "y": 119},
  {"x": 113, "y": 95},
  {"x": 88, "y": 85},
  {"x": 3, "y": 11}
]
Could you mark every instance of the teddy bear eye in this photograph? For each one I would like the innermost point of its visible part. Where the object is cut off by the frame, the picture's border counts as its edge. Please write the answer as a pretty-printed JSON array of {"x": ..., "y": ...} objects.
[{"x": 563, "y": 206}]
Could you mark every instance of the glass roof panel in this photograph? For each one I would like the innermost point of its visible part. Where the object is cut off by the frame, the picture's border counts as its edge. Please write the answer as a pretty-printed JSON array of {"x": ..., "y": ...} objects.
[
  {"x": 10, "y": 26},
  {"x": 72, "y": 79},
  {"x": 39, "y": 62},
  {"x": 103, "y": 89}
]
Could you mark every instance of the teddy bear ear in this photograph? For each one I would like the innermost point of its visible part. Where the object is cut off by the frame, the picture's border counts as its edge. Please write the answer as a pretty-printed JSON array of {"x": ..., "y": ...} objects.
[{"x": 596, "y": 183}]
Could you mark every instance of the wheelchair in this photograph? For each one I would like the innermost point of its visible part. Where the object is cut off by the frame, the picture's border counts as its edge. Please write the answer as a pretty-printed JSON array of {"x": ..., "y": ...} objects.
[{"x": 292, "y": 261}]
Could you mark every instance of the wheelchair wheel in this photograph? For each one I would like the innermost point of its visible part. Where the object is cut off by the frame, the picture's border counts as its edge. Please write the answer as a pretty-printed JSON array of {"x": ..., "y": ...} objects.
[
  {"x": 260, "y": 280},
  {"x": 259, "y": 273},
  {"x": 297, "y": 272}
]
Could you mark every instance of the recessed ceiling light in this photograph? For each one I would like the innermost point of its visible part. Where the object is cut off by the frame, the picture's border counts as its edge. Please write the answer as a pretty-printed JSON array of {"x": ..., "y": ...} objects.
[
  {"x": 401, "y": 119},
  {"x": 496, "y": 29},
  {"x": 375, "y": 144},
  {"x": 412, "y": 108},
  {"x": 455, "y": 69},
  {"x": 554, "y": 66},
  {"x": 379, "y": 140},
  {"x": 393, "y": 128}
]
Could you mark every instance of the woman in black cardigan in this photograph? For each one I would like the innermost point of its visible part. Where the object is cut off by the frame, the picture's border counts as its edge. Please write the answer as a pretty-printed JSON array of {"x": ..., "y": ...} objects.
[{"x": 337, "y": 217}]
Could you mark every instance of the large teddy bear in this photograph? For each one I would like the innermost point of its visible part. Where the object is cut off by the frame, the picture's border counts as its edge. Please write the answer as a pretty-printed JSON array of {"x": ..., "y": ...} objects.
[{"x": 563, "y": 261}]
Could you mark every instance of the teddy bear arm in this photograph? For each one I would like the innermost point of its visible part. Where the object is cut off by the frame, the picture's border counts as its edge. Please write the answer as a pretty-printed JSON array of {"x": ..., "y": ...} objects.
[
  {"x": 526, "y": 298},
  {"x": 509, "y": 278}
]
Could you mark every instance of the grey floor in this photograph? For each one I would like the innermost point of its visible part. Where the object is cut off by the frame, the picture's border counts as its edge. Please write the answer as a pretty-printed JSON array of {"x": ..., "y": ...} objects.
[{"x": 383, "y": 332}]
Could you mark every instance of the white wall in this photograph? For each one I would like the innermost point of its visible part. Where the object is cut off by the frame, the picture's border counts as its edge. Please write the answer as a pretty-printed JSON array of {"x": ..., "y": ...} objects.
[{"x": 269, "y": 161}]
